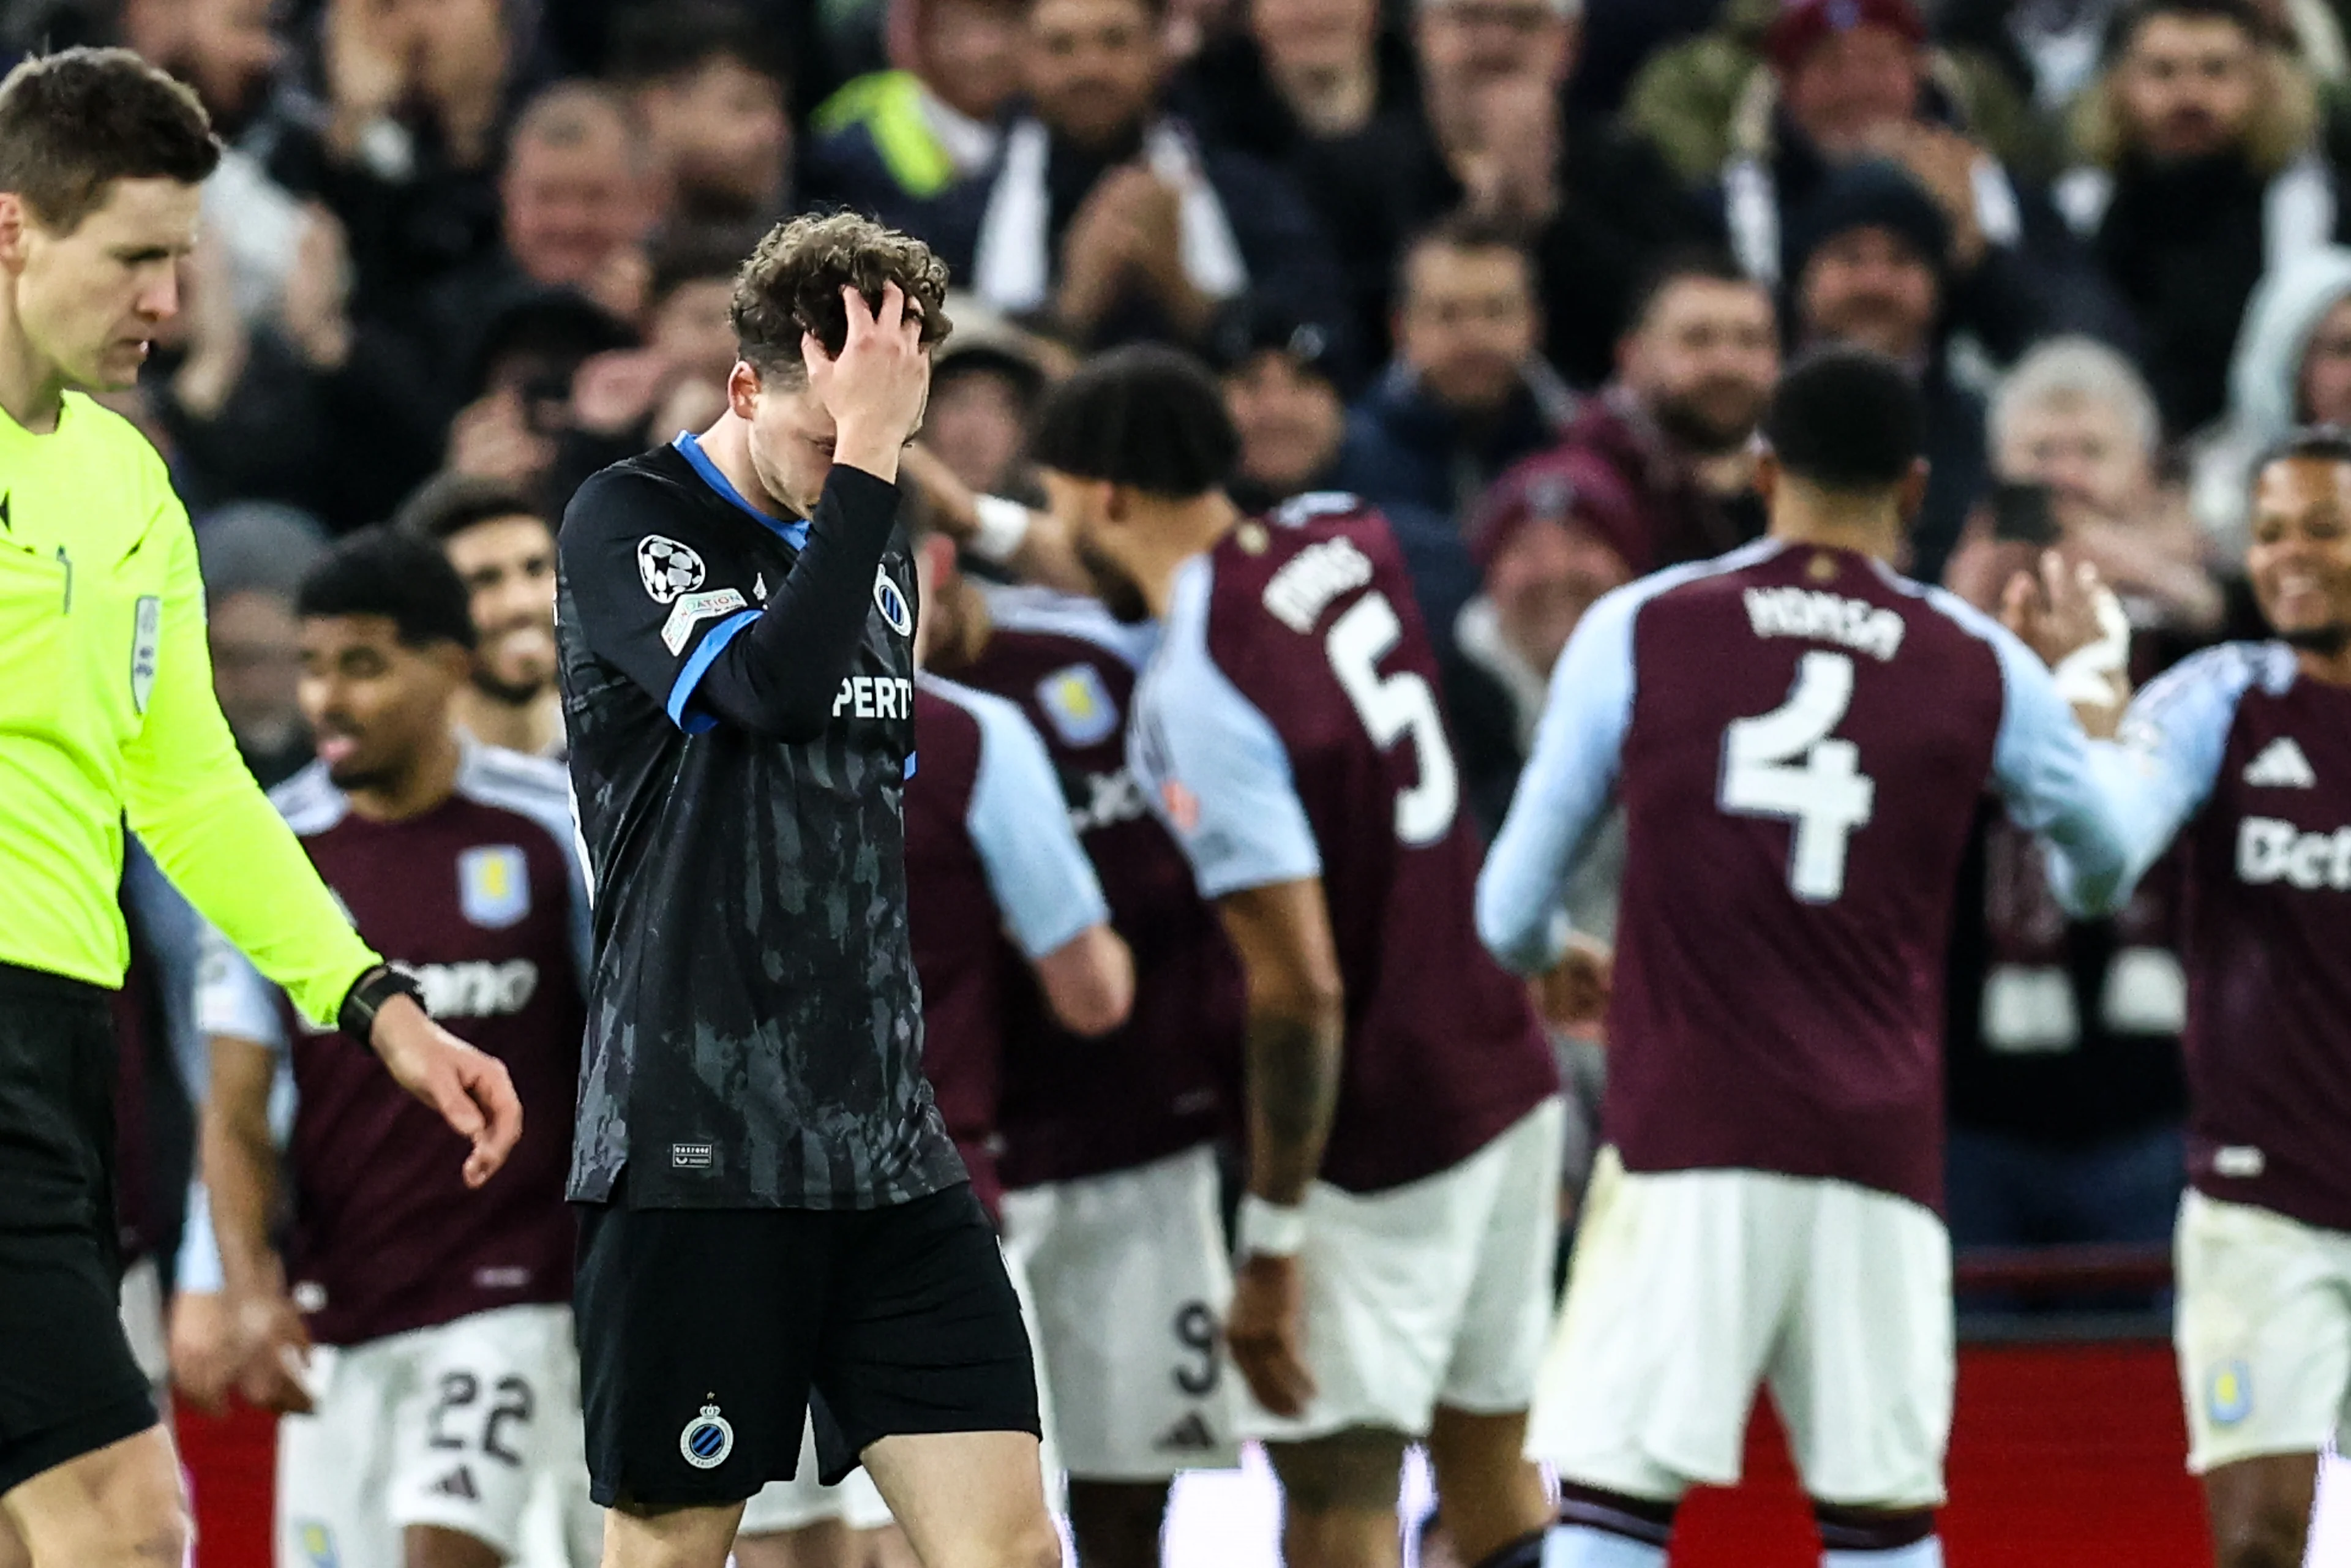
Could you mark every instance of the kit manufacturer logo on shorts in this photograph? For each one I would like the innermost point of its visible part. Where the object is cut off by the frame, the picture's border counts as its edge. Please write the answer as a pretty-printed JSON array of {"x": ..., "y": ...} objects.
[
  {"x": 2230, "y": 1396},
  {"x": 691, "y": 1156},
  {"x": 707, "y": 1439},
  {"x": 668, "y": 568},
  {"x": 146, "y": 640},
  {"x": 889, "y": 599}
]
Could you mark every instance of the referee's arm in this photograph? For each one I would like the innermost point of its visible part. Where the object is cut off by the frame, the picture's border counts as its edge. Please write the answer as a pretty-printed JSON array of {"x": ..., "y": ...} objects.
[{"x": 190, "y": 799}]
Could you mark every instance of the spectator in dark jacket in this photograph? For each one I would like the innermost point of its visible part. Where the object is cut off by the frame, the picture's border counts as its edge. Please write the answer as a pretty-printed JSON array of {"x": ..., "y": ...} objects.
[
  {"x": 892, "y": 141},
  {"x": 2200, "y": 172},
  {"x": 1469, "y": 392},
  {"x": 709, "y": 89},
  {"x": 1106, "y": 215},
  {"x": 1869, "y": 258}
]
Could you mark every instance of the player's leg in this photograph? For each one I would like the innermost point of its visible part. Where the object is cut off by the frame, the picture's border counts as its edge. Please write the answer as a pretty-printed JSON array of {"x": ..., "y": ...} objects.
[
  {"x": 2264, "y": 1343},
  {"x": 824, "y": 1545},
  {"x": 1339, "y": 1498},
  {"x": 1489, "y": 1496},
  {"x": 333, "y": 1491},
  {"x": 1863, "y": 1378},
  {"x": 925, "y": 1376},
  {"x": 696, "y": 1331},
  {"x": 1679, "y": 1285},
  {"x": 86, "y": 1474},
  {"x": 1129, "y": 1276},
  {"x": 799, "y": 1523},
  {"x": 13, "y": 1551}
]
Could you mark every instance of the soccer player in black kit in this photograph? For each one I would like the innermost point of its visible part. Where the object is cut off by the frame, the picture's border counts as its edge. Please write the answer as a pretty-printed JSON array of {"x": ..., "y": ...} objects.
[{"x": 774, "y": 1220}]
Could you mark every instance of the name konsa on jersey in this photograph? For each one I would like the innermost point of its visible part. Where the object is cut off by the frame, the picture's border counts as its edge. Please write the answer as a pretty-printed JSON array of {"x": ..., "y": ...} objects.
[
  {"x": 2271, "y": 851},
  {"x": 478, "y": 989}
]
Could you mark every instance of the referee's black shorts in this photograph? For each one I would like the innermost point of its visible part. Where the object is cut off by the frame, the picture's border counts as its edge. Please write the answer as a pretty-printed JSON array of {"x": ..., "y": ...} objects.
[
  {"x": 704, "y": 1334},
  {"x": 68, "y": 1386}
]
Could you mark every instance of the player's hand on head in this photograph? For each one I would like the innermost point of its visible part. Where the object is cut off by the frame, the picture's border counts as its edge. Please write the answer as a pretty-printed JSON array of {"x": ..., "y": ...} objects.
[
  {"x": 469, "y": 1088},
  {"x": 876, "y": 387},
  {"x": 1265, "y": 1331}
]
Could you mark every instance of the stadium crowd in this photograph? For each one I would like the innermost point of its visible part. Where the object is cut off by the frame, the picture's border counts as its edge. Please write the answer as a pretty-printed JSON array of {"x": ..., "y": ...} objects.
[{"x": 1519, "y": 274}]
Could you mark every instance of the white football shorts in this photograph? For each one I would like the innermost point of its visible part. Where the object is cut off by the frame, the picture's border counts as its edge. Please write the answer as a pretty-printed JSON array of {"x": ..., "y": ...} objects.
[{"x": 2263, "y": 1332}]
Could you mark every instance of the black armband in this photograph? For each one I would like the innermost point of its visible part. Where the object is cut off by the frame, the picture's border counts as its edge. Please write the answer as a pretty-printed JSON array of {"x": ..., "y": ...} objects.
[{"x": 366, "y": 997}]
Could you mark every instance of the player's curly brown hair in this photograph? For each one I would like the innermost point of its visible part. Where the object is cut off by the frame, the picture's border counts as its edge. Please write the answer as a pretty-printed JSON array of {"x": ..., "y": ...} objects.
[{"x": 793, "y": 281}]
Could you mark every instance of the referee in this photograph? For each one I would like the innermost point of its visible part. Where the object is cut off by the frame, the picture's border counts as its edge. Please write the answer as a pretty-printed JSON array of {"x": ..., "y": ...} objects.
[
  {"x": 106, "y": 714},
  {"x": 772, "y": 1204}
]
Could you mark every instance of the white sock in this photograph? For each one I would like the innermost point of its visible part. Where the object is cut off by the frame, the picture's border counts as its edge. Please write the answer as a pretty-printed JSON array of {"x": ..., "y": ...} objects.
[
  {"x": 1927, "y": 1553},
  {"x": 1581, "y": 1546}
]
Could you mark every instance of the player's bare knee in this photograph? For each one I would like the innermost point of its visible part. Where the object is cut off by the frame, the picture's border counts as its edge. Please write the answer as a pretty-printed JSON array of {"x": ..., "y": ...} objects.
[{"x": 2273, "y": 1534}]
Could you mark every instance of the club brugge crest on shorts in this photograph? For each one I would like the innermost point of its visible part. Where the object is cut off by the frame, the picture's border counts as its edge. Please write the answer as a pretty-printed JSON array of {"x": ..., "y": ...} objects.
[
  {"x": 892, "y": 602},
  {"x": 2230, "y": 1396},
  {"x": 668, "y": 568},
  {"x": 494, "y": 885},
  {"x": 707, "y": 1439},
  {"x": 1080, "y": 706}
]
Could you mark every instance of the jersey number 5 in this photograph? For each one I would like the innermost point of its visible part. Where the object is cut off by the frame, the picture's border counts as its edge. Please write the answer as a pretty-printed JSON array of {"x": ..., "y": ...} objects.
[
  {"x": 1785, "y": 765},
  {"x": 1394, "y": 706}
]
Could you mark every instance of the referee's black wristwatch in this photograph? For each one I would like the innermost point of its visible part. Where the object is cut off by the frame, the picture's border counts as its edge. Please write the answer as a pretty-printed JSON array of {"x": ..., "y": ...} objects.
[{"x": 367, "y": 996}]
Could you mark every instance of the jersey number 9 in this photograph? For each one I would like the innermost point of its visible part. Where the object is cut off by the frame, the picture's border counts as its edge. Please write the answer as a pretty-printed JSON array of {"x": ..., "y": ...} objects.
[
  {"x": 1786, "y": 764},
  {"x": 1394, "y": 706}
]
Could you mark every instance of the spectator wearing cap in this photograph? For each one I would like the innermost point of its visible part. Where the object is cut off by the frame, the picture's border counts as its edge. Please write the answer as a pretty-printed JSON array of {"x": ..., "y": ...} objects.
[
  {"x": 1870, "y": 268},
  {"x": 1665, "y": 455},
  {"x": 1469, "y": 392},
  {"x": 1852, "y": 80},
  {"x": 710, "y": 86},
  {"x": 1544, "y": 551},
  {"x": 2199, "y": 173},
  {"x": 1283, "y": 379},
  {"x": 252, "y": 556},
  {"x": 1103, "y": 214},
  {"x": 1592, "y": 205},
  {"x": 892, "y": 141},
  {"x": 1690, "y": 98}
]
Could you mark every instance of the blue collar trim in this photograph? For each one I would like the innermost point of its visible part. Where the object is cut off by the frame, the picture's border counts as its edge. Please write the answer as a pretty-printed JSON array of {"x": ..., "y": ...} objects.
[{"x": 793, "y": 533}]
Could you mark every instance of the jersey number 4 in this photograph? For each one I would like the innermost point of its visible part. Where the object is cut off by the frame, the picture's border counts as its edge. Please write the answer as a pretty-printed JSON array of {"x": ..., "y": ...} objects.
[
  {"x": 1394, "y": 706},
  {"x": 1786, "y": 764}
]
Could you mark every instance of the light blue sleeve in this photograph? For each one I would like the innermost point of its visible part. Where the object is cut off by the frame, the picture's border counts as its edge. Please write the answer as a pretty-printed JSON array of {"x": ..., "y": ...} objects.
[
  {"x": 198, "y": 1271},
  {"x": 2159, "y": 770},
  {"x": 1212, "y": 765},
  {"x": 232, "y": 998},
  {"x": 1044, "y": 886},
  {"x": 1565, "y": 792}
]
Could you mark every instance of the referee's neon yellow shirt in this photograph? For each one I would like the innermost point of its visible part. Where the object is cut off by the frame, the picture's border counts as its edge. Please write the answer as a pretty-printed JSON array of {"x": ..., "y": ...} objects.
[{"x": 106, "y": 712}]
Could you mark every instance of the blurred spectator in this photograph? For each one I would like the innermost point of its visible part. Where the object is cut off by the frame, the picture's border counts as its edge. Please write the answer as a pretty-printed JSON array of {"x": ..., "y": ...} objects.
[
  {"x": 2077, "y": 420},
  {"x": 1593, "y": 205},
  {"x": 2292, "y": 367},
  {"x": 892, "y": 140},
  {"x": 1622, "y": 36},
  {"x": 402, "y": 140},
  {"x": 519, "y": 410},
  {"x": 253, "y": 556},
  {"x": 1544, "y": 557},
  {"x": 2066, "y": 1092},
  {"x": 1850, "y": 81},
  {"x": 711, "y": 91},
  {"x": 1868, "y": 268},
  {"x": 1468, "y": 392},
  {"x": 1694, "y": 100},
  {"x": 503, "y": 550},
  {"x": 1282, "y": 389},
  {"x": 1663, "y": 460},
  {"x": 1303, "y": 71},
  {"x": 307, "y": 405},
  {"x": 574, "y": 212},
  {"x": 2200, "y": 172},
  {"x": 1106, "y": 214},
  {"x": 985, "y": 381}
]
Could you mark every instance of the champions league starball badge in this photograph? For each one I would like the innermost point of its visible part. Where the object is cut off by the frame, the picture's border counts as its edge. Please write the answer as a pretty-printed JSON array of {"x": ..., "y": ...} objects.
[{"x": 707, "y": 1439}]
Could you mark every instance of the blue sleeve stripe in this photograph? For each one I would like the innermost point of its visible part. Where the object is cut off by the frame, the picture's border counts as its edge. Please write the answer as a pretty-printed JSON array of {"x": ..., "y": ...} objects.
[
  {"x": 910, "y": 763},
  {"x": 714, "y": 643}
]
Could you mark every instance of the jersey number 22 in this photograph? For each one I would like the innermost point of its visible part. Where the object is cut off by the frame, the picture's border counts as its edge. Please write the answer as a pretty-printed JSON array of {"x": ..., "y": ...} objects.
[
  {"x": 1786, "y": 764},
  {"x": 1394, "y": 706}
]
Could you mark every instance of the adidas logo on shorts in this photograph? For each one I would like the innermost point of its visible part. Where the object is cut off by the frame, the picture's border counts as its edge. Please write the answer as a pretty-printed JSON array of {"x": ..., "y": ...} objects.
[
  {"x": 458, "y": 1482},
  {"x": 1187, "y": 1436}
]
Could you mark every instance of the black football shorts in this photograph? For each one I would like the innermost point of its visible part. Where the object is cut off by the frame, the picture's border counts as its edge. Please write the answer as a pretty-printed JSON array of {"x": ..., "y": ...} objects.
[
  {"x": 708, "y": 1336},
  {"x": 68, "y": 1386}
]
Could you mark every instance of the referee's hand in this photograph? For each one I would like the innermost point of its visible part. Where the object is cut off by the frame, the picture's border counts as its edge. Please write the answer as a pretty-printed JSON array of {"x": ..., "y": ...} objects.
[{"x": 470, "y": 1088}]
